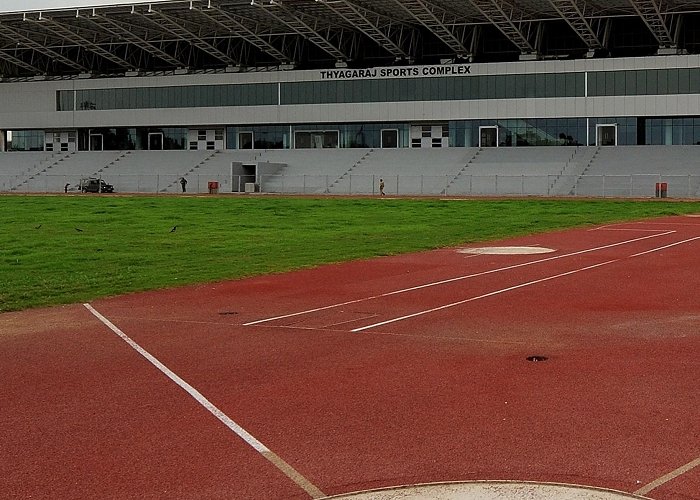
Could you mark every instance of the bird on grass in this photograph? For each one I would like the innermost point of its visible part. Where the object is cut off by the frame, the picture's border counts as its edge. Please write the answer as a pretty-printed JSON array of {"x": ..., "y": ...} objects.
[
  {"x": 173, "y": 229},
  {"x": 37, "y": 227},
  {"x": 78, "y": 229}
]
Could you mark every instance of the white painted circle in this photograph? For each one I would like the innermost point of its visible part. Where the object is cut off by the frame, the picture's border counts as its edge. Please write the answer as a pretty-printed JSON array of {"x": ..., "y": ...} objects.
[
  {"x": 505, "y": 250},
  {"x": 490, "y": 490}
]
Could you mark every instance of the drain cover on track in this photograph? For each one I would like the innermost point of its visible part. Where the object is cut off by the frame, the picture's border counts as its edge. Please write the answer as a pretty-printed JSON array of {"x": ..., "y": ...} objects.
[{"x": 505, "y": 250}]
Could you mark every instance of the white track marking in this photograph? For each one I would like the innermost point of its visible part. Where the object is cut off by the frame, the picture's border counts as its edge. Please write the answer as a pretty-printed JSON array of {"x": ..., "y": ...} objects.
[
  {"x": 490, "y": 294},
  {"x": 287, "y": 469},
  {"x": 668, "y": 477},
  {"x": 636, "y": 230},
  {"x": 521, "y": 285},
  {"x": 458, "y": 278},
  {"x": 666, "y": 246}
]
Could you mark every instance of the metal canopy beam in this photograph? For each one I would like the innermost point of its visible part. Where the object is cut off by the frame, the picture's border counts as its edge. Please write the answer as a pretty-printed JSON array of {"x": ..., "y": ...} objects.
[
  {"x": 436, "y": 19},
  {"x": 170, "y": 24},
  {"x": 236, "y": 25},
  {"x": 19, "y": 63},
  {"x": 14, "y": 35},
  {"x": 501, "y": 14},
  {"x": 62, "y": 31},
  {"x": 360, "y": 18},
  {"x": 650, "y": 12},
  {"x": 301, "y": 27},
  {"x": 570, "y": 11},
  {"x": 118, "y": 30}
]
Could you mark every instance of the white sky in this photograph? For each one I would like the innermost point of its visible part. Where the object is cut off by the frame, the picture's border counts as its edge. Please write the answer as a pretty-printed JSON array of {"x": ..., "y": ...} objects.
[{"x": 27, "y": 5}]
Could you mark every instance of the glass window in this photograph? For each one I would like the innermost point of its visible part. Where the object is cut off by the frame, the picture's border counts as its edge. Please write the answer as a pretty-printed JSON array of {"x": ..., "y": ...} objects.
[
  {"x": 620, "y": 82},
  {"x": 490, "y": 87},
  {"x": 630, "y": 83},
  {"x": 580, "y": 84},
  {"x": 595, "y": 83},
  {"x": 157, "y": 98},
  {"x": 406, "y": 90},
  {"x": 694, "y": 81},
  {"x": 672, "y": 79},
  {"x": 652, "y": 82},
  {"x": 27, "y": 140},
  {"x": 501, "y": 91},
  {"x": 463, "y": 88},
  {"x": 447, "y": 88},
  {"x": 662, "y": 76},
  {"x": 566, "y": 84},
  {"x": 550, "y": 87},
  {"x": 641, "y": 82},
  {"x": 684, "y": 81},
  {"x": 530, "y": 85},
  {"x": 475, "y": 87},
  {"x": 65, "y": 100}
]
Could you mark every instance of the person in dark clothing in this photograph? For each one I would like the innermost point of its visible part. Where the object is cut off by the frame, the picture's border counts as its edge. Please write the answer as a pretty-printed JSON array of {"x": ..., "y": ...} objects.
[{"x": 183, "y": 183}]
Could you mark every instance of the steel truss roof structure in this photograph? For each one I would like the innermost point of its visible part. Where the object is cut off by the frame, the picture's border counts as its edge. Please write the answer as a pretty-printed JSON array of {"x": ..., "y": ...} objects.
[{"x": 257, "y": 35}]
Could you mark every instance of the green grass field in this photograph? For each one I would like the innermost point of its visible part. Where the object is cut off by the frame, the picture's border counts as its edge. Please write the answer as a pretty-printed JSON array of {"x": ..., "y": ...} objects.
[{"x": 66, "y": 249}]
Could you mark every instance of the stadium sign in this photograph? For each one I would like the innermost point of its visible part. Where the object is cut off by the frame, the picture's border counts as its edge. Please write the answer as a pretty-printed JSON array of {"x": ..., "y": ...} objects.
[{"x": 406, "y": 72}]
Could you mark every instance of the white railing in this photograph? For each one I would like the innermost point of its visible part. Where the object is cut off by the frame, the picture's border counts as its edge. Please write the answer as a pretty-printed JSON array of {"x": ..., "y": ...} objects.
[{"x": 625, "y": 186}]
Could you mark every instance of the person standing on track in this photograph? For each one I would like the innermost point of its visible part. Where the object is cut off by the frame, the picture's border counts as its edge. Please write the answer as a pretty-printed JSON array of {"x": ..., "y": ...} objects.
[
  {"x": 183, "y": 183},
  {"x": 381, "y": 187}
]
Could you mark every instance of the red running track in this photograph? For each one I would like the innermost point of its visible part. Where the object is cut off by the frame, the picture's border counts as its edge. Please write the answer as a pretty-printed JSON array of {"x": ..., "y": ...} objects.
[{"x": 398, "y": 370}]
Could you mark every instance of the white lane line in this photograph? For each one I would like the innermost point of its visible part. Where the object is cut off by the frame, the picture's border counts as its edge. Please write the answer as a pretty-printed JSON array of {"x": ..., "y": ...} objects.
[
  {"x": 458, "y": 278},
  {"x": 636, "y": 230},
  {"x": 490, "y": 294},
  {"x": 209, "y": 406},
  {"x": 668, "y": 477},
  {"x": 665, "y": 247},
  {"x": 522, "y": 285}
]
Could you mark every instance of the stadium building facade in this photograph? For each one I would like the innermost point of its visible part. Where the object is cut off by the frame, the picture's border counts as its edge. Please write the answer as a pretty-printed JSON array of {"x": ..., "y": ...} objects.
[
  {"x": 440, "y": 74},
  {"x": 630, "y": 101}
]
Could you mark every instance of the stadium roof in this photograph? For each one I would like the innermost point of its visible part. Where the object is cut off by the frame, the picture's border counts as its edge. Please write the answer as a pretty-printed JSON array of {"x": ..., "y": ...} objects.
[{"x": 252, "y": 35}]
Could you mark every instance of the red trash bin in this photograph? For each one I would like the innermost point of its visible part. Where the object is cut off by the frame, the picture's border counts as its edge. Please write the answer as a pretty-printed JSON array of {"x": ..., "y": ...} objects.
[
  {"x": 213, "y": 187},
  {"x": 661, "y": 189}
]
